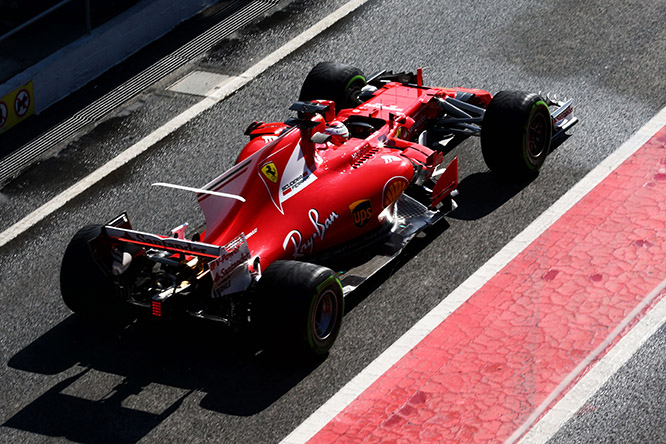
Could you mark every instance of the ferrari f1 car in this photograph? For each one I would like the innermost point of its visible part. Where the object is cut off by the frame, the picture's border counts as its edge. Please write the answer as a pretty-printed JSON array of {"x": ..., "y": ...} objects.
[{"x": 313, "y": 207}]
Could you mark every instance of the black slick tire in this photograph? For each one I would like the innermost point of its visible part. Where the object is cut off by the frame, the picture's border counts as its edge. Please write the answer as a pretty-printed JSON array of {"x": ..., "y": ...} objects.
[
  {"x": 85, "y": 287},
  {"x": 334, "y": 81},
  {"x": 516, "y": 134},
  {"x": 299, "y": 308}
]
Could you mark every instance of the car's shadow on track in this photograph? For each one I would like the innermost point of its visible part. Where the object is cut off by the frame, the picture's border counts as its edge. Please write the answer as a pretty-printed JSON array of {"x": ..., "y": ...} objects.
[
  {"x": 415, "y": 246},
  {"x": 117, "y": 387},
  {"x": 483, "y": 193}
]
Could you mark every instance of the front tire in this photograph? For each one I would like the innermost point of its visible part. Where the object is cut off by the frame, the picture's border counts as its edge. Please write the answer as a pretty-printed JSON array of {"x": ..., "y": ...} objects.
[
  {"x": 300, "y": 307},
  {"x": 516, "y": 134},
  {"x": 334, "y": 81}
]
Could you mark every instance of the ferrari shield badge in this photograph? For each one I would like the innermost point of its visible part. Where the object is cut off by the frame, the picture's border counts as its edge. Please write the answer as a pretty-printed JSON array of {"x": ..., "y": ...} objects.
[
  {"x": 270, "y": 172},
  {"x": 294, "y": 177}
]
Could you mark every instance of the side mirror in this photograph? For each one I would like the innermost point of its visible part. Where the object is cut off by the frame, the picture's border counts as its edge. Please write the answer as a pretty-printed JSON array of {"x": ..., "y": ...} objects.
[{"x": 320, "y": 138}]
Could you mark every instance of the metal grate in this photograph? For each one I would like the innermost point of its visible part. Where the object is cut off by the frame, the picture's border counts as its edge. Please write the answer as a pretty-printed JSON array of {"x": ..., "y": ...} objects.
[
  {"x": 409, "y": 208},
  {"x": 245, "y": 13}
]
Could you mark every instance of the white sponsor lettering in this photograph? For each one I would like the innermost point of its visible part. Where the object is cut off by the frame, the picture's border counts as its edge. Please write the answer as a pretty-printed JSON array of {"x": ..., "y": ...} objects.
[
  {"x": 296, "y": 175},
  {"x": 306, "y": 246},
  {"x": 230, "y": 271},
  {"x": 389, "y": 159},
  {"x": 384, "y": 107}
]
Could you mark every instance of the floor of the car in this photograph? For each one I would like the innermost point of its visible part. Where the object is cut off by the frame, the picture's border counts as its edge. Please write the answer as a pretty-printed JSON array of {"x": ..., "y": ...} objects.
[{"x": 410, "y": 218}]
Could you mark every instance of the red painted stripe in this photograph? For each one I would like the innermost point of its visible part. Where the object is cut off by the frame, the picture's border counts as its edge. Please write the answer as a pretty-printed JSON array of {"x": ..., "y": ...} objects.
[{"x": 484, "y": 370}]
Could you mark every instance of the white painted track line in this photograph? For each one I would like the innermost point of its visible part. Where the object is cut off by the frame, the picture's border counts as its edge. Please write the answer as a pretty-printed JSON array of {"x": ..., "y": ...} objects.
[
  {"x": 221, "y": 91},
  {"x": 429, "y": 322},
  {"x": 541, "y": 430}
]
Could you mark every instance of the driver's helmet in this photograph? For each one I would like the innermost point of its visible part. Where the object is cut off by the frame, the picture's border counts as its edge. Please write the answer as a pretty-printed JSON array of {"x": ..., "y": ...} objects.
[{"x": 338, "y": 132}]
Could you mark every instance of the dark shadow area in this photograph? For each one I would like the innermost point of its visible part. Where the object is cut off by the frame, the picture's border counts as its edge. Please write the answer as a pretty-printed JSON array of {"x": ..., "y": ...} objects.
[
  {"x": 421, "y": 241},
  {"x": 483, "y": 193},
  {"x": 229, "y": 368},
  {"x": 558, "y": 140},
  {"x": 49, "y": 33},
  {"x": 81, "y": 420},
  {"x": 187, "y": 356}
]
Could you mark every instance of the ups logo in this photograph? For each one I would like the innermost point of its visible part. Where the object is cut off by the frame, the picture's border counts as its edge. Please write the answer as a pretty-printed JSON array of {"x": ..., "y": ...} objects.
[{"x": 361, "y": 211}]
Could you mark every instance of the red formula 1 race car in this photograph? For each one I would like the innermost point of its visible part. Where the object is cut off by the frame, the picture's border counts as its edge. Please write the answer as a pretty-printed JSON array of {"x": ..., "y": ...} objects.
[{"x": 313, "y": 206}]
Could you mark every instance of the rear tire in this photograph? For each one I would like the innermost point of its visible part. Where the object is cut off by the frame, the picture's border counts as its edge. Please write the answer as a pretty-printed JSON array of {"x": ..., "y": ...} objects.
[
  {"x": 516, "y": 134},
  {"x": 300, "y": 307},
  {"x": 334, "y": 81},
  {"x": 85, "y": 287}
]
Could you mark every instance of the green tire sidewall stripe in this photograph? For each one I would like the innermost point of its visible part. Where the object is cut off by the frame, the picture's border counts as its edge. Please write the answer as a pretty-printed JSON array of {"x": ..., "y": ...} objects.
[
  {"x": 353, "y": 80},
  {"x": 527, "y": 124},
  {"x": 319, "y": 290}
]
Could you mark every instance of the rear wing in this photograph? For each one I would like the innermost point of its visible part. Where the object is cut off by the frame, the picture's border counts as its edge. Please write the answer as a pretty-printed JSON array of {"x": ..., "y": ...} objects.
[
  {"x": 228, "y": 265},
  {"x": 121, "y": 230}
]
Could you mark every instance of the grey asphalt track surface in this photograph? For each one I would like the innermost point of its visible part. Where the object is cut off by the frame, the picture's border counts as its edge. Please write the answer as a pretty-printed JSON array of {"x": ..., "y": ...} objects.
[
  {"x": 630, "y": 406},
  {"x": 64, "y": 380}
]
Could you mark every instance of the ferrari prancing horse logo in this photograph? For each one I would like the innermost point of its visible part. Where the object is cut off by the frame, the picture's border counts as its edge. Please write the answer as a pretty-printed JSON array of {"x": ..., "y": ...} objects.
[{"x": 270, "y": 171}]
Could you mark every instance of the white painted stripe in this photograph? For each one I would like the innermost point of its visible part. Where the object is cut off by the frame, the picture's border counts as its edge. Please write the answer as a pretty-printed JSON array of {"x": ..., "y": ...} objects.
[
  {"x": 217, "y": 94},
  {"x": 590, "y": 383},
  {"x": 199, "y": 190},
  {"x": 429, "y": 322}
]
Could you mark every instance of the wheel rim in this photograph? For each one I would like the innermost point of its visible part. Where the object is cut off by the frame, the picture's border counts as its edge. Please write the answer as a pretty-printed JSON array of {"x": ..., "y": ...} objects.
[
  {"x": 324, "y": 315},
  {"x": 537, "y": 134}
]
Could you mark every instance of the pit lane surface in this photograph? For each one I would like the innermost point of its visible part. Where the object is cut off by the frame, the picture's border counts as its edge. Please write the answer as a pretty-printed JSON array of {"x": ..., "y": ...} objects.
[{"x": 62, "y": 378}]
